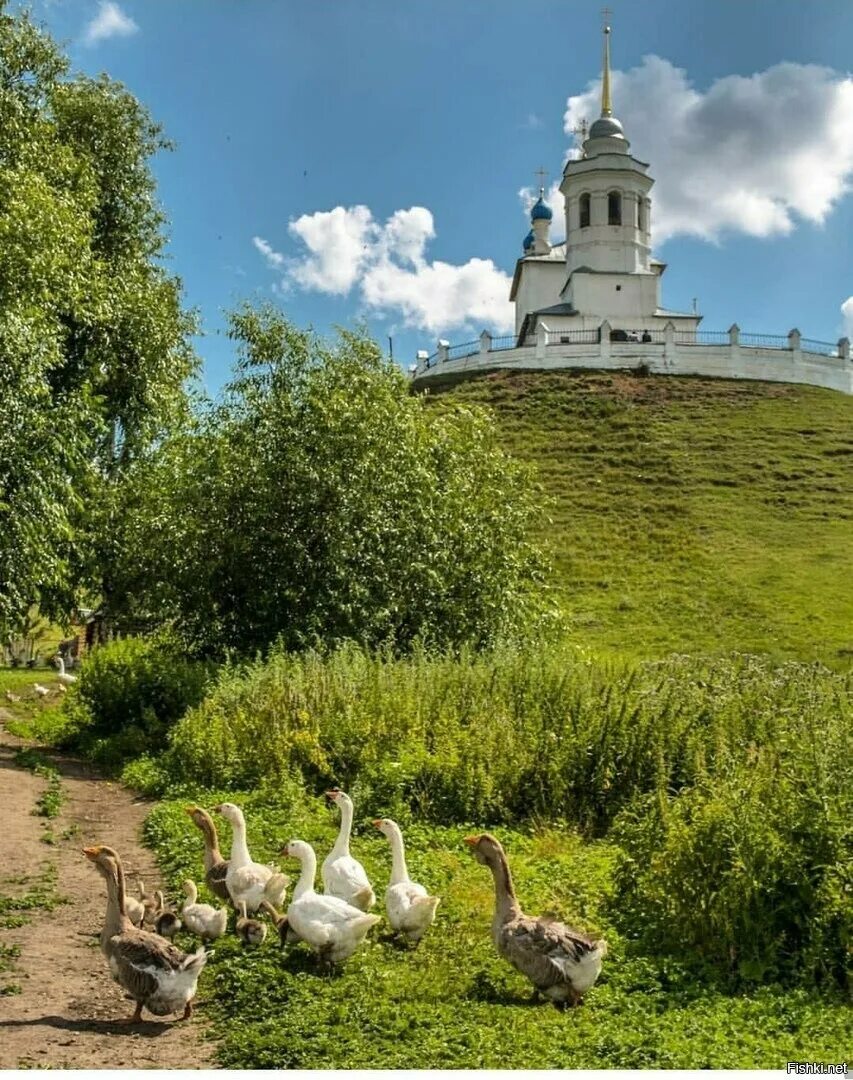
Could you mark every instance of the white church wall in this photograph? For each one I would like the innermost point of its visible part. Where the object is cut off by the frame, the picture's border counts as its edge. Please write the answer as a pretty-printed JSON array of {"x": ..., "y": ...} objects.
[
  {"x": 621, "y": 297},
  {"x": 539, "y": 286}
]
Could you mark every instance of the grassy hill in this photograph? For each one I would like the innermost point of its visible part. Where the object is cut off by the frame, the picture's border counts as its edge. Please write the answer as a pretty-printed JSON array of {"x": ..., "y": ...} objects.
[{"x": 689, "y": 514}]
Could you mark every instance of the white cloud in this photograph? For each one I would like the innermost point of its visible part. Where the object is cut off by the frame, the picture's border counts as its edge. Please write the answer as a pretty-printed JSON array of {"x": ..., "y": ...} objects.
[
  {"x": 386, "y": 263},
  {"x": 749, "y": 154},
  {"x": 339, "y": 241},
  {"x": 440, "y": 296},
  {"x": 274, "y": 259},
  {"x": 847, "y": 313},
  {"x": 109, "y": 22}
]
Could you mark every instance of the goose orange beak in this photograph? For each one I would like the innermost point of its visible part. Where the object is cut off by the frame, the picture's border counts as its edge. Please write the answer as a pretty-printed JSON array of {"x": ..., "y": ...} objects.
[
  {"x": 190, "y": 810},
  {"x": 92, "y": 852},
  {"x": 333, "y": 794},
  {"x": 378, "y": 823},
  {"x": 472, "y": 841}
]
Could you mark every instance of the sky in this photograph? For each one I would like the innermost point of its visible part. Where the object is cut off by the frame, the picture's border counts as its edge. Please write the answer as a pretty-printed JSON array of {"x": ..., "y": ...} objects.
[{"x": 371, "y": 161}]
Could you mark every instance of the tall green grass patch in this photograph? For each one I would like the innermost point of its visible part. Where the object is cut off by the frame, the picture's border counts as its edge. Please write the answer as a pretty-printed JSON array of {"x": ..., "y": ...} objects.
[{"x": 506, "y": 736}]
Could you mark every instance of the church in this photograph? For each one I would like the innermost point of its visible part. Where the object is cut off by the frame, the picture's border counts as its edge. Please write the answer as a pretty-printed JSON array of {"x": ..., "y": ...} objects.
[{"x": 594, "y": 300}]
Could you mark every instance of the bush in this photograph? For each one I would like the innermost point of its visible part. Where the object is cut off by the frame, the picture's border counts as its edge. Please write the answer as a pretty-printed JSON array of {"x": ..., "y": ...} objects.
[
  {"x": 749, "y": 872},
  {"x": 322, "y": 502},
  {"x": 504, "y": 736},
  {"x": 128, "y": 694}
]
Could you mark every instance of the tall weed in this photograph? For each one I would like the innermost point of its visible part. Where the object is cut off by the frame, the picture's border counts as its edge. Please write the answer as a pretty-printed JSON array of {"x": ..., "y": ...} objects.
[
  {"x": 505, "y": 736},
  {"x": 752, "y": 870}
]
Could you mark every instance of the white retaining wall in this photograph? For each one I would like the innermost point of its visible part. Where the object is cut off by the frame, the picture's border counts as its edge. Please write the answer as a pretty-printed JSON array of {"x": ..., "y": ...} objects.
[{"x": 733, "y": 361}]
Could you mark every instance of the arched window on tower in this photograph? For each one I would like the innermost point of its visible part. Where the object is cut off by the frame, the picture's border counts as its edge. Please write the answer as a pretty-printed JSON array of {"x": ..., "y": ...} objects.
[
  {"x": 584, "y": 211},
  {"x": 614, "y": 208}
]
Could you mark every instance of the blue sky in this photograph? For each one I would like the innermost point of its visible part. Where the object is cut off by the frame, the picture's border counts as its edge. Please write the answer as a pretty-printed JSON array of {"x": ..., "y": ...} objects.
[{"x": 290, "y": 116}]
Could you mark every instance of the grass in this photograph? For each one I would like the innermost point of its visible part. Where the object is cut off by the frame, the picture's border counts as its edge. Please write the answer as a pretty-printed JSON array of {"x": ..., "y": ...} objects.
[
  {"x": 8, "y": 955},
  {"x": 49, "y": 803},
  {"x": 32, "y": 716},
  {"x": 689, "y": 515},
  {"x": 452, "y": 1002},
  {"x": 41, "y": 895}
]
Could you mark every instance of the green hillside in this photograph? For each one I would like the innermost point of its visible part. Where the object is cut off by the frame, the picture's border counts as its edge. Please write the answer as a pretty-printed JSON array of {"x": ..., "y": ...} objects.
[{"x": 690, "y": 514}]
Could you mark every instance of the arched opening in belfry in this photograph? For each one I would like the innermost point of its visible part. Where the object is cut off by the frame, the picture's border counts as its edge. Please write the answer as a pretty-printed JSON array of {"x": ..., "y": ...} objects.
[
  {"x": 584, "y": 211},
  {"x": 614, "y": 208}
]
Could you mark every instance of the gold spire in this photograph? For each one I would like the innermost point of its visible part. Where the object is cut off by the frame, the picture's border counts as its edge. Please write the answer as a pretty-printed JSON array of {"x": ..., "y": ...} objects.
[{"x": 606, "y": 105}]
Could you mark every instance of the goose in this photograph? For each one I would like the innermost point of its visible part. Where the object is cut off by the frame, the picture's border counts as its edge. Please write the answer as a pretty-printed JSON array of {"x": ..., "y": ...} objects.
[
  {"x": 411, "y": 910},
  {"x": 67, "y": 680},
  {"x": 285, "y": 932},
  {"x": 166, "y": 922},
  {"x": 202, "y": 919},
  {"x": 333, "y": 928},
  {"x": 135, "y": 910},
  {"x": 247, "y": 881},
  {"x": 215, "y": 867},
  {"x": 344, "y": 876},
  {"x": 158, "y": 976},
  {"x": 42, "y": 691},
  {"x": 249, "y": 931},
  {"x": 561, "y": 963},
  {"x": 148, "y": 901},
  {"x": 12, "y": 697}
]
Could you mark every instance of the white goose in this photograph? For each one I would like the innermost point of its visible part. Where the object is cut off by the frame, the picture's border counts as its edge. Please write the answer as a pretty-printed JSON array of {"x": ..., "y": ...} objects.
[
  {"x": 67, "y": 680},
  {"x": 344, "y": 876},
  {"x": 248, "y": 882},
  {"x": 333, "y": 928},
  {"x": 411, "y": 910}
]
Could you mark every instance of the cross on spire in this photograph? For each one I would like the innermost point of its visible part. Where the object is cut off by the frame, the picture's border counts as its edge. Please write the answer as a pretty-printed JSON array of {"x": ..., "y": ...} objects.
[
  {"x": 543, "y": 176},
  {"x": 605, "y": 14}
]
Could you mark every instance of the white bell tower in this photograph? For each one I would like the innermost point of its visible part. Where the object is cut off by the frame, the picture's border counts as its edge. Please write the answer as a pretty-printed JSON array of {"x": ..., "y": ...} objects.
[{"x": 607, "y": 208}]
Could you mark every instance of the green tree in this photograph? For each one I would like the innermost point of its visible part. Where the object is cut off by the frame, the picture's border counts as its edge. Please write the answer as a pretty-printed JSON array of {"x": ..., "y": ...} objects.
[
  {"x": 94, "y": 344},
  {"x": 321, "y": 501}
]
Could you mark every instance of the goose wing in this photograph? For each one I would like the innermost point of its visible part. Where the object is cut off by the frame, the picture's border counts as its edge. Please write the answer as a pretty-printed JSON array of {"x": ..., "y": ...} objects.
[
  {"x": 215, "y": 878},
  {"x": 138, "y": 960},
  {"x": 247, "y": 884},
  {"x": 346, "y": 878},
  {"x": 548, "y": 952}
]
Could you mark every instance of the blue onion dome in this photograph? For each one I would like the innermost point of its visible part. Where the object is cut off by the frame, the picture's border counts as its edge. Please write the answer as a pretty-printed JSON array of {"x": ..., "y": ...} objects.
[
  {"x": 541, "y": 211},
  {"x": 529, "y": 241}
]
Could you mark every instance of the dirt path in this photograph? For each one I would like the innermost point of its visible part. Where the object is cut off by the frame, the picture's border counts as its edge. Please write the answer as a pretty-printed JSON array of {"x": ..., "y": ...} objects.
[{"x": 66, "y": 1011}]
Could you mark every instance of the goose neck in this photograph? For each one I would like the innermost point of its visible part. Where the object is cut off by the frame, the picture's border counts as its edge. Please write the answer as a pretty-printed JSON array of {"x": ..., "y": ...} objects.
[
  {"x": 342, "y": 842},
  {"x": 212, "y": 854},
  {"x": 506, "y": 902},
  {"x": 116, "y": 916},
  {"x": 399, "y": 870},
  {"x": 239, "y": 848},
  {"x": 305, "y": 884}
]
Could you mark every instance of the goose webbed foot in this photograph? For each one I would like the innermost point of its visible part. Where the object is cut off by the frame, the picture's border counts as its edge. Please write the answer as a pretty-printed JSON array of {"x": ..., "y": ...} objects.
[{"x": 136, "y": 1018}]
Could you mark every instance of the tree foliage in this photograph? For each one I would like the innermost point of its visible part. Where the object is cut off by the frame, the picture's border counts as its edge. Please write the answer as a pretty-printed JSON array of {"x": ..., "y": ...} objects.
[
  {"x": 94, "y": 345},
  {"x": 321, "y": 501}
]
